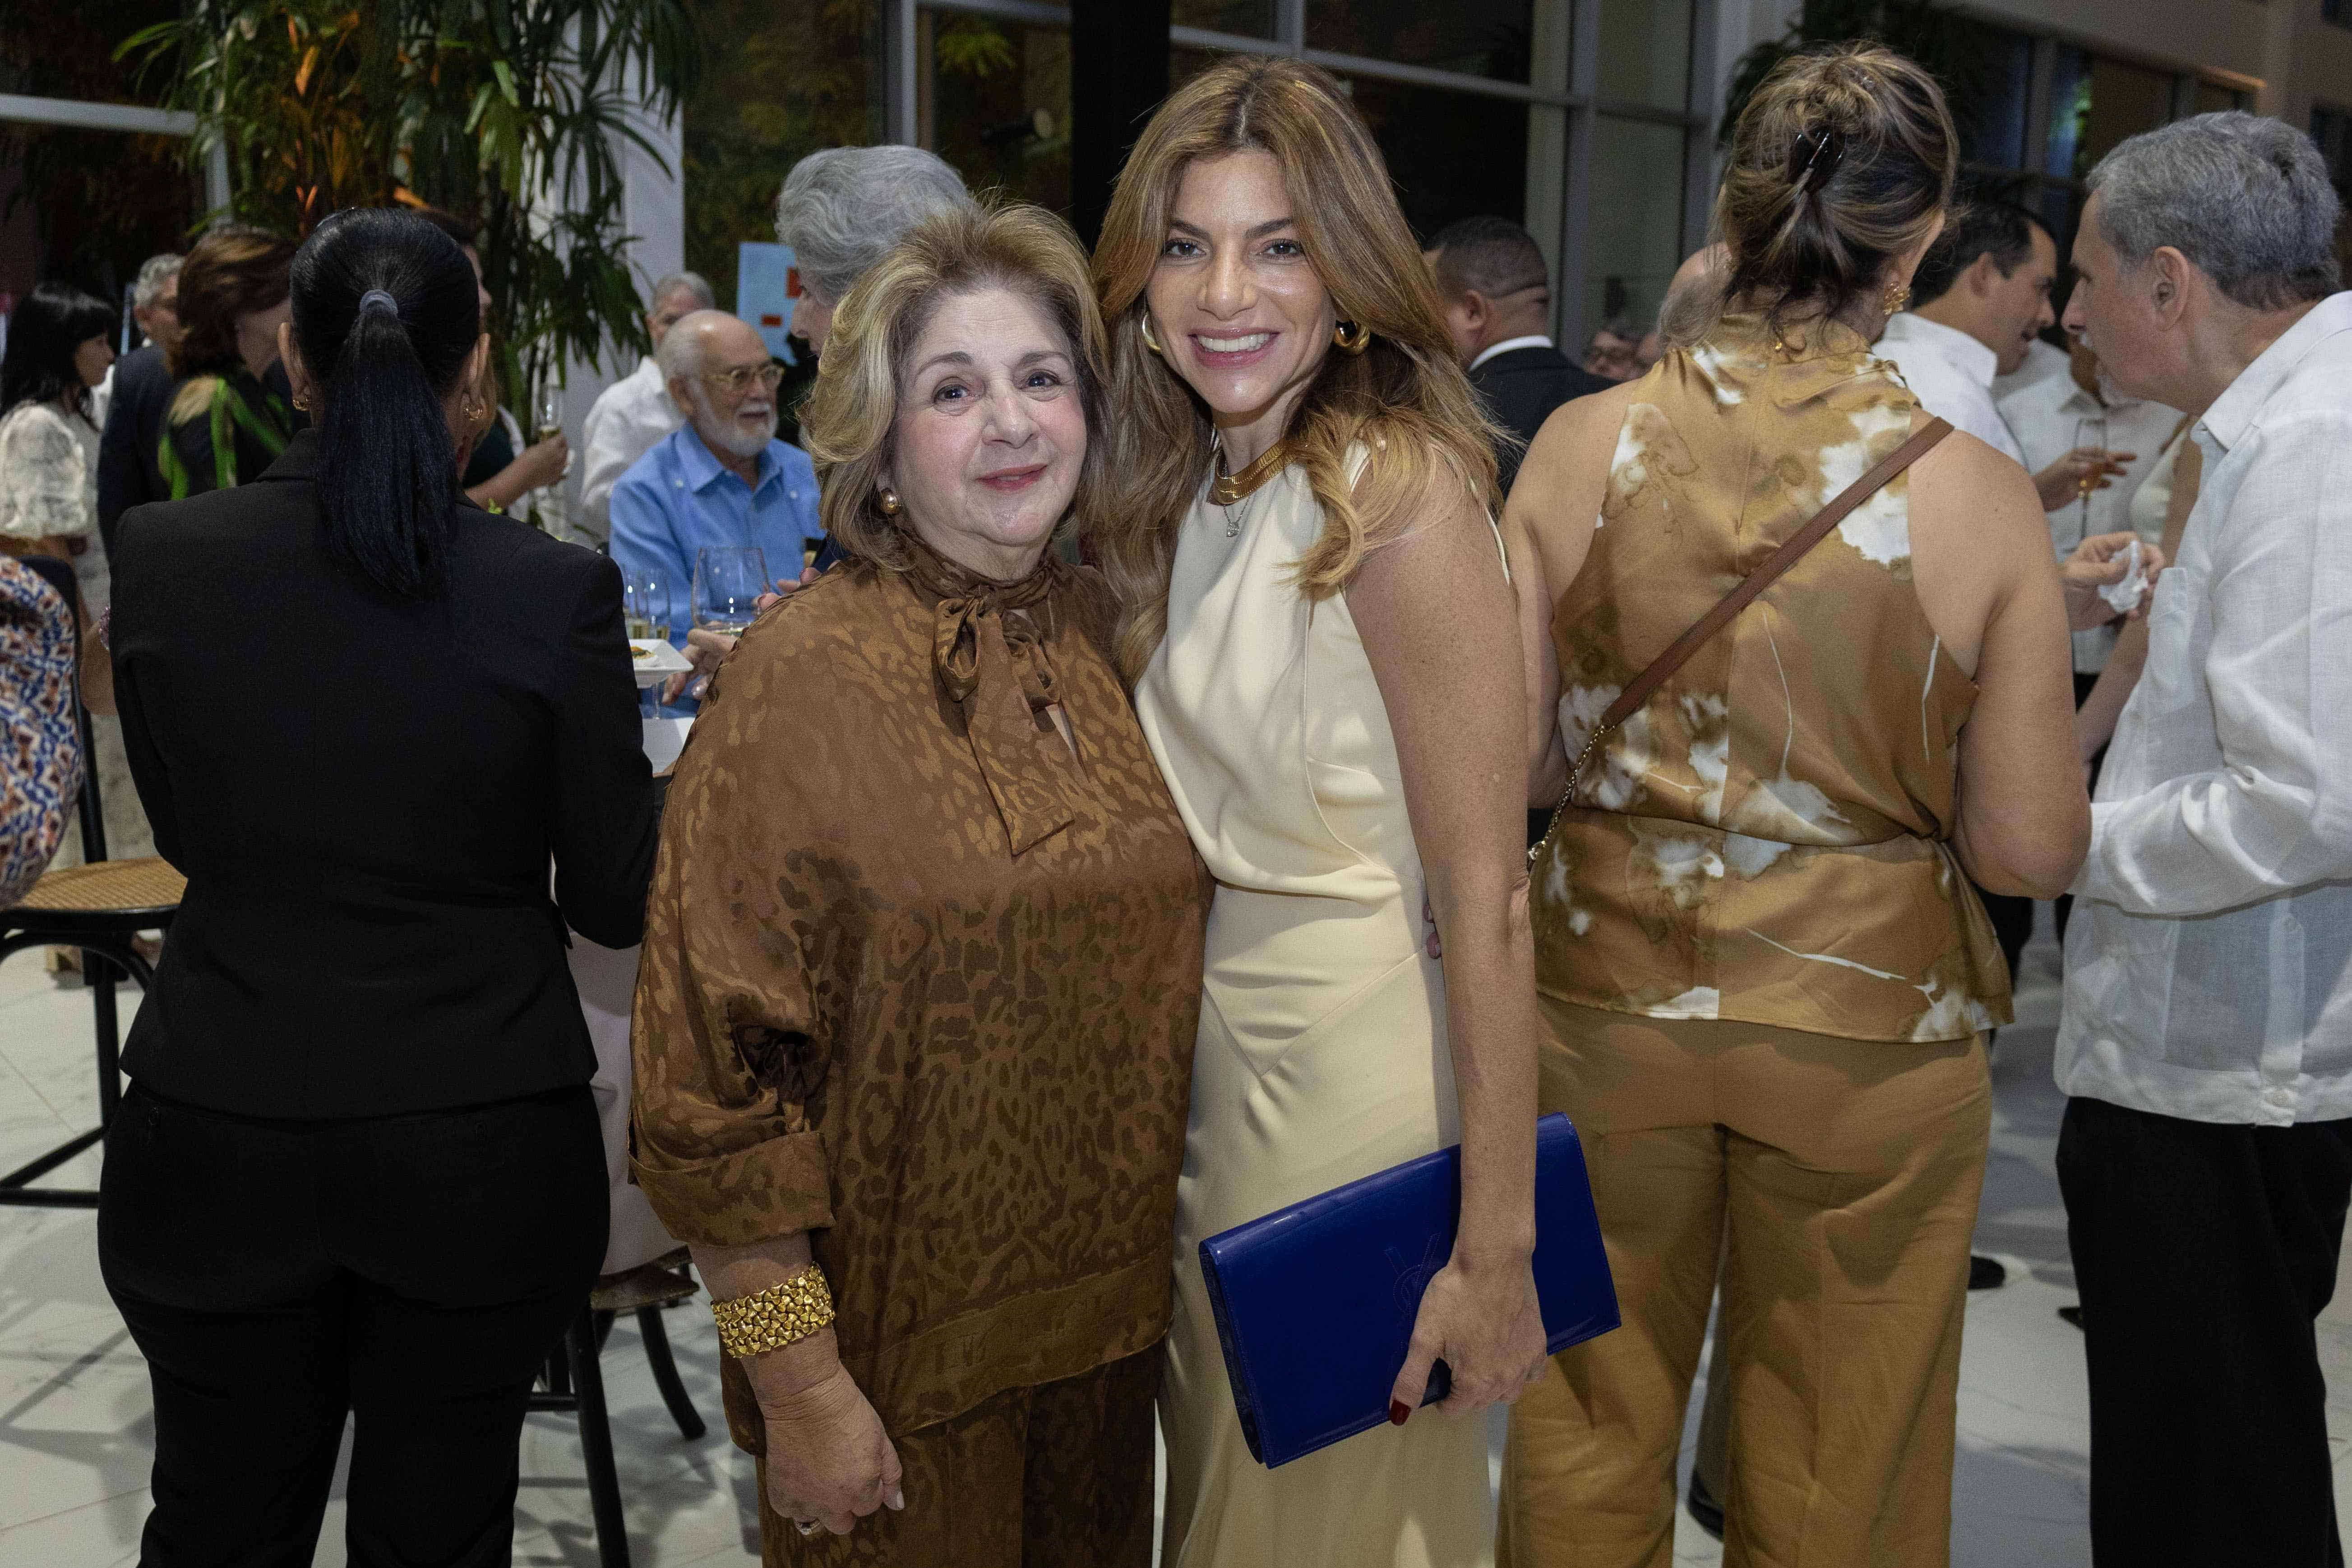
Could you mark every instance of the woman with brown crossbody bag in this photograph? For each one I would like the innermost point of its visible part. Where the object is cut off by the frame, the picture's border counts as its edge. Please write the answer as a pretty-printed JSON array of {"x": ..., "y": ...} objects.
[{"x": 1800, "y": 661}]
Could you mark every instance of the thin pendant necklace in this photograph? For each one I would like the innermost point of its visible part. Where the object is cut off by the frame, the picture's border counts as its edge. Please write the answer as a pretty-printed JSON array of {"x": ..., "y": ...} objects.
[{"x": 1231, "y": 491}]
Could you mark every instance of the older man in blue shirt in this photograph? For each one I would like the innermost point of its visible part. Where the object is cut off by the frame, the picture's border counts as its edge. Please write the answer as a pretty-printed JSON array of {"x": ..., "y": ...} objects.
[{"x": 721, "y": 479}]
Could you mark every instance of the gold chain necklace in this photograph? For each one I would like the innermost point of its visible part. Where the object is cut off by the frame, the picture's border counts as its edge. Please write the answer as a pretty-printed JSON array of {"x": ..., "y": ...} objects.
[{"x": 1229, "y": 490}]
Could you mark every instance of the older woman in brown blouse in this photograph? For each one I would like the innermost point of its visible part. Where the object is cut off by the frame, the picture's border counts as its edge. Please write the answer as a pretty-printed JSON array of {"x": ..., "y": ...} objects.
[{"x": 922, "y": 961}]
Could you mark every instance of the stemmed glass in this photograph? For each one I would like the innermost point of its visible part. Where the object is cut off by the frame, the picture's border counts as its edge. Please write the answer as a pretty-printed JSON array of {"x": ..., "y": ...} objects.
[
  {"x": 646, "y": 604},
  {"x": 727, "y": 583},
  {"x": 2090, "y": 431}
]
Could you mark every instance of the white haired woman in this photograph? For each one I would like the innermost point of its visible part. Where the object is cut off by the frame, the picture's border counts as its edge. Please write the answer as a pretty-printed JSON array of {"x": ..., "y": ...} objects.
[{"x": 841, "y": 210}]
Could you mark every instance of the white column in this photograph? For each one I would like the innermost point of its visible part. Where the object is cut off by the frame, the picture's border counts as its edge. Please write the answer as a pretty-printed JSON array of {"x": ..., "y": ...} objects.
[{"x": 652, "y": 209}]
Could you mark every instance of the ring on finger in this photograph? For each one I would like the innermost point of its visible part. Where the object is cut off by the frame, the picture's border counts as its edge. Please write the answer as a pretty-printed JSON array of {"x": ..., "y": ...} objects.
[{"x": 807, "y": 1526}]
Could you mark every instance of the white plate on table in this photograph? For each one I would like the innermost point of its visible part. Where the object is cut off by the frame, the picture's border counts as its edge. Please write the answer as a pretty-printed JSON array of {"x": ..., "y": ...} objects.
[{"x": 655, "y": 661}]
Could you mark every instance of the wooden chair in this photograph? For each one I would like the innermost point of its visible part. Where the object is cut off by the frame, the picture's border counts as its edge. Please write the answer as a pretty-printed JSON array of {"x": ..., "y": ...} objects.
[{"x": 99, "y": 906}]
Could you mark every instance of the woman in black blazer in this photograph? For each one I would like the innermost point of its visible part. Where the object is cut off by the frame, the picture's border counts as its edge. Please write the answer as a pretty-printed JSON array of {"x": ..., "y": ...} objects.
[{"x": 358, "y": 1170}]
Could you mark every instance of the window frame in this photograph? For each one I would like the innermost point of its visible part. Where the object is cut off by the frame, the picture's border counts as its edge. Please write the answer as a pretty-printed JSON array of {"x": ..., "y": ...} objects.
[{"x": 1578, "y": 97}]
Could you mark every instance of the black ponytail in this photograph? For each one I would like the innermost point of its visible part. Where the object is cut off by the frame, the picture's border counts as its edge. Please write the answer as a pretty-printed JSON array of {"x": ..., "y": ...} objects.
[{"x": 386, "y": 315}]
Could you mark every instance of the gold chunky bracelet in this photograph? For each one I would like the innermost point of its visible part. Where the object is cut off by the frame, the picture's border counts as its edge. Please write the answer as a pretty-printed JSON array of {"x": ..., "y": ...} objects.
[{"x": 774, "y": 1318}]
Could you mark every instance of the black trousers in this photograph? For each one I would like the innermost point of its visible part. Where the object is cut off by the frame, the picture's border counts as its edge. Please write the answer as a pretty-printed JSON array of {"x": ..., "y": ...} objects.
[
  {"x": 409, "y": 1271},
  {"x": 2203, "y": 1253}
]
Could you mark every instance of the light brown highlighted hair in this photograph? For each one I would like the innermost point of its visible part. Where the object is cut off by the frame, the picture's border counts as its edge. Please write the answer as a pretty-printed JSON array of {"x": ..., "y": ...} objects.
[
  {"x": 231, "y": 272},
  {"x": 1405, "y": 398},
  {"x": 1841, "y": 161},
  {"x": 848, "y": 424}
]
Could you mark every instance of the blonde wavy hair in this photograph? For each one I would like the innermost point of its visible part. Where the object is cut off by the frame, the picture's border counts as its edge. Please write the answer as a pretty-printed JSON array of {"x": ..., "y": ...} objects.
[
  {"x": 1405, "y": 398},
  {"x": 849, "y": 423}
]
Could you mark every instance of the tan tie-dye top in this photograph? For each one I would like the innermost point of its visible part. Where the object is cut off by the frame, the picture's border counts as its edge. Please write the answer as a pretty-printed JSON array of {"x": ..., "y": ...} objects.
[
  {"x": 920, "y": 978},
  {"x": 1766, "y": 840}
]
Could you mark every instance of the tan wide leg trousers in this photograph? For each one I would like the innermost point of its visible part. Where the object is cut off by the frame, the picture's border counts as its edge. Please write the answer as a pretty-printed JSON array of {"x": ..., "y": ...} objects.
[{"x": 1844, "y": 1175}]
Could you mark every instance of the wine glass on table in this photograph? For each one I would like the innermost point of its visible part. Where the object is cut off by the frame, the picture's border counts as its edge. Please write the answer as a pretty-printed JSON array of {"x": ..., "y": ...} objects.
[
  {"x": 646, "y": 604},
  {"x": 728, "y": 582}
]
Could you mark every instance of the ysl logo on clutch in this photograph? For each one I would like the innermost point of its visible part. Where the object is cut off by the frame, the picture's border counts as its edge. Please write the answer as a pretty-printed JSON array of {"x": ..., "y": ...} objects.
[{"x": 1413, "y": 1278}]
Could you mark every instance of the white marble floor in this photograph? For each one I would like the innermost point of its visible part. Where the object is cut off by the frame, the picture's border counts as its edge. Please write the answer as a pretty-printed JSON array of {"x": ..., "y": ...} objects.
[{"x": 75, "y": 1420}]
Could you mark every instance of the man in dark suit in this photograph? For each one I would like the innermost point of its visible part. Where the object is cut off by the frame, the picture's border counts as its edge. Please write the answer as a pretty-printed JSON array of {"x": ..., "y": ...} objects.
[
  {"x": 127, "y": 475},
  {"x": 1497, "y": 294}
]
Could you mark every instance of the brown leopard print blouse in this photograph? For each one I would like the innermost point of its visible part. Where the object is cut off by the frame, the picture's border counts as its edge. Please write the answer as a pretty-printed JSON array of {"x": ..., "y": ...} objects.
[{"x": 920, "y": 978}]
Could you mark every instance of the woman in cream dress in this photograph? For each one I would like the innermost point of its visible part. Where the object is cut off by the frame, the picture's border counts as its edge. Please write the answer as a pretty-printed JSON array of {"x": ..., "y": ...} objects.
[
  {"x": 1315, "y": 609},
  {"x": 57, "y": 355}
]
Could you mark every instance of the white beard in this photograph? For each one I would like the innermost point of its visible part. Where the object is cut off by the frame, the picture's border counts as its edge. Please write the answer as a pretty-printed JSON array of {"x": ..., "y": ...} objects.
[{"x": 728, "y": 434}]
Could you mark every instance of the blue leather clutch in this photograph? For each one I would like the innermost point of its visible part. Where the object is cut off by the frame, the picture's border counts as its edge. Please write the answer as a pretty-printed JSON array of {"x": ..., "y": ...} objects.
[{"x": 1314, "y": 1303}]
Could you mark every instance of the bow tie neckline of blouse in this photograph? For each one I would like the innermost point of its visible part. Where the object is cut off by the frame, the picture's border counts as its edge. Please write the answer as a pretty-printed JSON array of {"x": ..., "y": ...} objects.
[{"x": 990, "y": 655}]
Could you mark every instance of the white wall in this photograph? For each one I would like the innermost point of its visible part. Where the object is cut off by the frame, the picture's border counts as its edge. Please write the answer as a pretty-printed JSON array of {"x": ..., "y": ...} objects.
[{"x": 652, "y": 209}]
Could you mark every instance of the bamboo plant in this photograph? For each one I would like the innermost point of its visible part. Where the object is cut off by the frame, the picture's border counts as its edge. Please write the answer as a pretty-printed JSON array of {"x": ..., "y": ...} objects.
[{"x": 512, "y": 114}]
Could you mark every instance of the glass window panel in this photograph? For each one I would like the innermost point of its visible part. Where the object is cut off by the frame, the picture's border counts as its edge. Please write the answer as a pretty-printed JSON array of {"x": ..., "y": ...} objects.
[
  {"x": 2060, "y": 208},
  {"x": 1450, "y": 154},
  {"x": 2124, "y": 101},
  {"x": 67, "y": 50},
  {"x": 990, "y": 81},
  {"x": 2095, "y": 104},
  {"x": 2332, "y": 130},
  {"x": 792, "y": 79},
  {"x": 1645, "y": 51},
  {"x": 1250, "y": 18},
  {"x": 1992, "y": 117},
  {"x": 1493, "y": 38},
  {"x": 1630, "y": 257},
  {"x": 2211, "y": 99},
  {"x": 1183, "y": 65},
  {"x": 88, "y": 207},
  {"x": 2069, "y": 107}
]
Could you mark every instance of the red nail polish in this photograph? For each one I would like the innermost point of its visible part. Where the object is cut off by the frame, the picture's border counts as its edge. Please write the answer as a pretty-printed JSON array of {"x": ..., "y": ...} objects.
[{"x": 1398, "y": 1411}]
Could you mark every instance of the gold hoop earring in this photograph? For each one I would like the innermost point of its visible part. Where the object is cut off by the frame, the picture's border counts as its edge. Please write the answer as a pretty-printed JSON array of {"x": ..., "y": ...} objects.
[
  {"x": 1897, "y": 295},
  {"x": 1350, "y": 338},
  {"x": 1149, "y": 342},
  {"x": 888, "y": 501},
  {"x": 302, "y": 402}
]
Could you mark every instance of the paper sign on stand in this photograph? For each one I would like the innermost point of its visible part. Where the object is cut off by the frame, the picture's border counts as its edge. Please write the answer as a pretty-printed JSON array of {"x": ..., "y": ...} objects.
[{"x": 766, "y": 283}]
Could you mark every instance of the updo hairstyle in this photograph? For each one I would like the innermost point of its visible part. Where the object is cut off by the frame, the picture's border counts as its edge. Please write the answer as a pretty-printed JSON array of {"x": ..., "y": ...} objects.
[{"x": 1841, "y": 161}]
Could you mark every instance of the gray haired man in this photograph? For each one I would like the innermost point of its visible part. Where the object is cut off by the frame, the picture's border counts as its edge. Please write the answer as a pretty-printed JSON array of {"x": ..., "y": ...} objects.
[
  {"x": 635, "y": 411},
  {"x": 841, "y": 208},
  {"x": 2205, "y": 1154},
  {"x": 139, "y": 390},
  {"x": 841, "y": 211}
]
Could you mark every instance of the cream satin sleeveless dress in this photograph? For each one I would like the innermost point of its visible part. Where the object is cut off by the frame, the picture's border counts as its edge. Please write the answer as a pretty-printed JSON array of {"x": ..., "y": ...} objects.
[{"x": 1321, "y": 1054}]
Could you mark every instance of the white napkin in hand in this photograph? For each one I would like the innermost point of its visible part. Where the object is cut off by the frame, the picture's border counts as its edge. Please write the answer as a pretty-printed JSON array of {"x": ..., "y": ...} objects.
[{"x": 2125, "y": 596}]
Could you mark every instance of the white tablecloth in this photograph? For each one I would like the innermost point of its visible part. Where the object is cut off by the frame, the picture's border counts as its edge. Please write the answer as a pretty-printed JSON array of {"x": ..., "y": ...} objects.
[{"x": 607, "y": 979}]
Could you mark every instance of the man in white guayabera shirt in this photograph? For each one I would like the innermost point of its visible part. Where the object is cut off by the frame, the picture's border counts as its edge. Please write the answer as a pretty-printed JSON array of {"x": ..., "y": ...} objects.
[
  {"x": 1978, "y": 299},
  {"x": 2206, "y": 1155}
]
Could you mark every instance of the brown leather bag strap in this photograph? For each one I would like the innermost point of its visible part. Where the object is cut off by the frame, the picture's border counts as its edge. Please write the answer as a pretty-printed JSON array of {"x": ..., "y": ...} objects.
[
  {"x": 1645, "y": 685},
  {"x": 1677, "y": 654}
]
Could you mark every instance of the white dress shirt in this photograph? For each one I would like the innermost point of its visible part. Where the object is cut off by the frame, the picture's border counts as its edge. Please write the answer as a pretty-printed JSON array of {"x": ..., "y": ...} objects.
[
  {"x": 2044, "y": 418},
  {"x": 2151, "y": 504},
  {"x": 2208, "y": 965},
  {"x": 1951, "y": 375},
  {"x": 627, "y": 419},
  {"x": 2043, "y": 360},
  {"x": 1532, "y": 341}
]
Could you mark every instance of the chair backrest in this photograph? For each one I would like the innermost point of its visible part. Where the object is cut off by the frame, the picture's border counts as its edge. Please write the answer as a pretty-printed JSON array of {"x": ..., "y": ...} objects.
[{"x": 60, "y": 576}]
